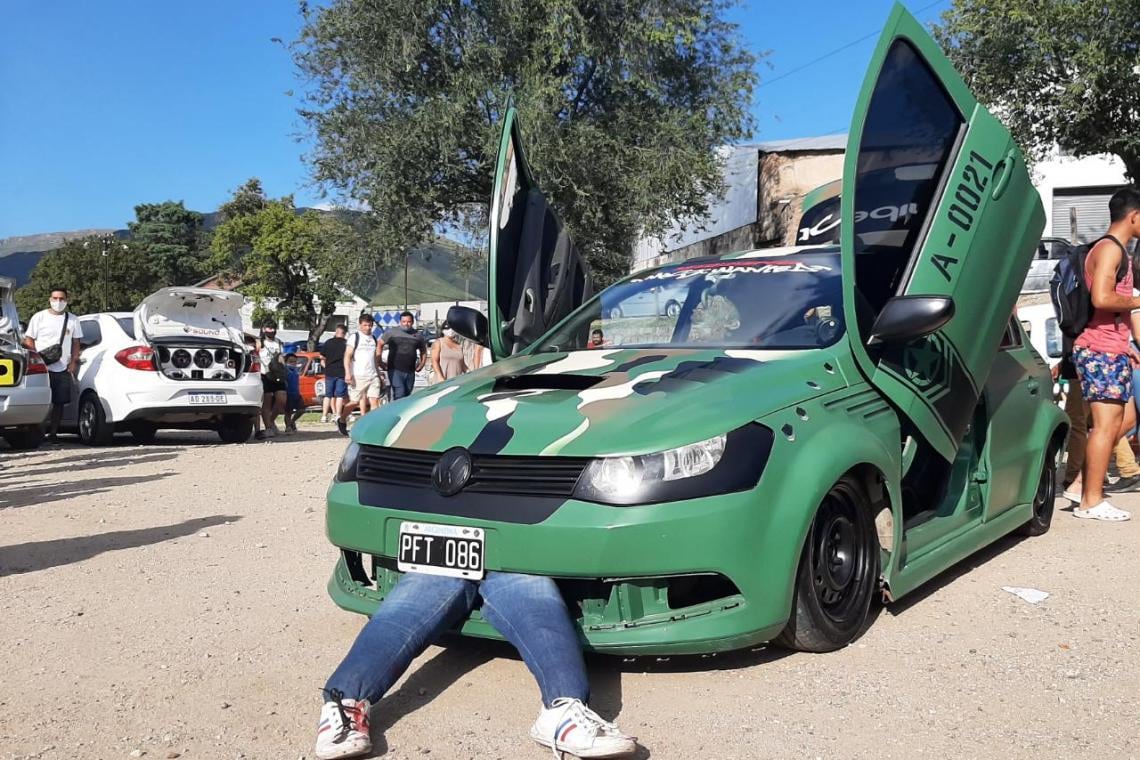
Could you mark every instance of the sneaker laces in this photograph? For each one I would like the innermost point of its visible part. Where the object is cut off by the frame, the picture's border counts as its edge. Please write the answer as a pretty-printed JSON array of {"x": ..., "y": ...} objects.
[
  {"x": 585, "y": 718},
  {"x": 350, "y": 718}
]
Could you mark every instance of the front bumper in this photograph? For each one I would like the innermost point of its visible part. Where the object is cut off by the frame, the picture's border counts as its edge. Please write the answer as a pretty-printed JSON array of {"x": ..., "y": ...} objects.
[{"x": 619, "y": 567}]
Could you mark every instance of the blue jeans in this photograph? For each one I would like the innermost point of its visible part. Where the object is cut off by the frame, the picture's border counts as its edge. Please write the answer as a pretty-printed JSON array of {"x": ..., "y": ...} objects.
[
  {"x": 402, "y": 383},
  {"x": 527, "y": 609}
]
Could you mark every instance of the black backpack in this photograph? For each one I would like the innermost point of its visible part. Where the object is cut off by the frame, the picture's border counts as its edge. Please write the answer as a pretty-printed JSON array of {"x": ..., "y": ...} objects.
[{"x": 1071, "y": 298}]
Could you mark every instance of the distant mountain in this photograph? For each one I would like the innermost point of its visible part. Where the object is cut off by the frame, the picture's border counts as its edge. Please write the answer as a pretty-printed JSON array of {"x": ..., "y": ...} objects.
[
  {"x": 432, "y": 276},
  {"x": 431, "y": 269}
]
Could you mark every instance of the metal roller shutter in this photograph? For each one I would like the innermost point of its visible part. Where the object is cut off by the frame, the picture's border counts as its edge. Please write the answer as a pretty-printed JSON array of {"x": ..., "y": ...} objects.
[{"x": 1081, "y": 214}]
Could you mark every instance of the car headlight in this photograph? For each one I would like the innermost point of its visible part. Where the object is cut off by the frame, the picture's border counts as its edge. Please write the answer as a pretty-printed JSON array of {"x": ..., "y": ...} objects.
[
  {"x": 722, "y": 464},
  {"x": 346, "y": 471}
]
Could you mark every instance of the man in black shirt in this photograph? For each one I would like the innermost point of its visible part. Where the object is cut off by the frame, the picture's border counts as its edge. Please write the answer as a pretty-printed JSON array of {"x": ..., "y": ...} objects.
[
  {"x": 407, "y": 353},
  {"x": 332, "y": 359}
]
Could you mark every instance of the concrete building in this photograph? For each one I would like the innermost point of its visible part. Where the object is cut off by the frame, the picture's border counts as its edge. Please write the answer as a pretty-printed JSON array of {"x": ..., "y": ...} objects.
[{"x": 1075, "y": 192}]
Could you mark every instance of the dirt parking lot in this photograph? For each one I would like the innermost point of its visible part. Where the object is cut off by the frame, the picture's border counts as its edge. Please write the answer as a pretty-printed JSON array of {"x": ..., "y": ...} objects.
[{"x": 168, "y": 601}]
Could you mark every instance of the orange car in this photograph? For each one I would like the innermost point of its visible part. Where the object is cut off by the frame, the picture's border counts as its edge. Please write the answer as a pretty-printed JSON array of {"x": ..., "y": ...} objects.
[{"x": 312, "y": 378}]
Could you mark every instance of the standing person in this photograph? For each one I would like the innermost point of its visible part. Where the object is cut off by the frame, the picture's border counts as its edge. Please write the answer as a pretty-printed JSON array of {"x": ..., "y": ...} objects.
[
  {"x": 55, "y": 333},
  {"x": 361, "y": 358},
  {"x": 1102, "y": 354},
  {"x": 530, "y": 613},
  {"x": 407, "y": 354},
  {"x": 272, "y": 378},
  {"x": 448, "y": 358},
  {"x": 332, "y": 360},
  {"x": 294, "y": 404}
]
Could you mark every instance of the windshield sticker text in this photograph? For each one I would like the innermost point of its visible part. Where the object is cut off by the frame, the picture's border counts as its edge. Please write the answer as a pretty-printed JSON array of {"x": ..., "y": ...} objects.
[{"x": 729, "y": 268}]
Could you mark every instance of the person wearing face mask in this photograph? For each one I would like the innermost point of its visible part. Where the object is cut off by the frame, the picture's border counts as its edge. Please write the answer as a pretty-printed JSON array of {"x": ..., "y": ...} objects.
[
  {"x": 447, "y": 356},
  {"x": 272, "y": 379},
  {"x": 55, "y": 333},
  {"x": 407, "y": 354}
]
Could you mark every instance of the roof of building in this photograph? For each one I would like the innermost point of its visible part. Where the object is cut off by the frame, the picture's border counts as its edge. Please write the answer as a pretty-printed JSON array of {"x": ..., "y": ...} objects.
[{"x": 801, "y": 144}]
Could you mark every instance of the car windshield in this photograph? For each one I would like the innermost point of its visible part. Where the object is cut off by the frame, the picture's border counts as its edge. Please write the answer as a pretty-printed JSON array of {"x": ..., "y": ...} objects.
[{"x": 779, "y": 302}]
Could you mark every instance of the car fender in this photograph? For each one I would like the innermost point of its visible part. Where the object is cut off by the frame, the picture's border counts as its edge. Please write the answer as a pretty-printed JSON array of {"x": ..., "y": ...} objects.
[{"x": 808, "y": 459}]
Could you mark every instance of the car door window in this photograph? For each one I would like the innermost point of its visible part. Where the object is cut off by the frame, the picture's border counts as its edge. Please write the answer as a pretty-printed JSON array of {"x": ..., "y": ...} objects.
[
  {"x": 908, "y": 138},
  {"x": 92, "y": 334},
  {"x": 1011, "y": 338}
]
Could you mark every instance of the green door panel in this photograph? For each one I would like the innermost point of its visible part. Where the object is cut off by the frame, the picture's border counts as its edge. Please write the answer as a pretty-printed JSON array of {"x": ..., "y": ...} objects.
[
  {"x": 936, "y": 200},
  {"x": 537, "y": 276}
]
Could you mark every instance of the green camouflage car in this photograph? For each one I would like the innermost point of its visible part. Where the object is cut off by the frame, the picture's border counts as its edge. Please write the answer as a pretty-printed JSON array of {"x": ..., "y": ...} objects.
[{"x": 811, "y": 428}]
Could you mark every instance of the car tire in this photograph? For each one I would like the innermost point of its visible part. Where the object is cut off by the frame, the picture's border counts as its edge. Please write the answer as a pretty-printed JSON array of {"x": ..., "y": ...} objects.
[
  {"x": 1045, "y": 496},
  {"x": 615, "y": 313},
  {"x": 837, "y": 575},
  {"x": 672, "y": 309},
  {"x": 144, "y": 432},
  {"x": 235, "y": 428},
  {"x": 25, "y": 439},
  {"x": 94, "y": 427}
]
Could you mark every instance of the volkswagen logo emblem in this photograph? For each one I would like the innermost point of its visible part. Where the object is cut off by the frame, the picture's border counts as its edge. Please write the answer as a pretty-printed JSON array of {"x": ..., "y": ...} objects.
[{"x": 452, "y": 471}]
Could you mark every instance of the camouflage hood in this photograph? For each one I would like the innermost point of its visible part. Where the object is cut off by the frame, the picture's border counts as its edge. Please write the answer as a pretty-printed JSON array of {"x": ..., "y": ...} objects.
[{"x": 588, "y": 403}]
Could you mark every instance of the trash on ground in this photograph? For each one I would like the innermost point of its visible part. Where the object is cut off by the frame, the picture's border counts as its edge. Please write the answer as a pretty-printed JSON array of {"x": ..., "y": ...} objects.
[{"x": 1031, "y": 595}]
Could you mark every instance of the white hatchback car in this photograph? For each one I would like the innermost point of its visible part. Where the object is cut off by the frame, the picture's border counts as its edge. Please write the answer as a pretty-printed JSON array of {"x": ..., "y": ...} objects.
[{"x": 179, "y": 361}]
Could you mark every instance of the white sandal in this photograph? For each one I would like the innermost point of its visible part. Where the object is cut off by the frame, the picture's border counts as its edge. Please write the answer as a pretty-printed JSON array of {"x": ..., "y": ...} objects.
[
  {"x": 1103, "y": 511},
  {"x": 1073, "y": 497}
]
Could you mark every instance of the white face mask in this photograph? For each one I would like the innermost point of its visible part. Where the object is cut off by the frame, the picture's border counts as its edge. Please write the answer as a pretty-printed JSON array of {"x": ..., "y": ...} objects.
[
  {"x": 449, "y": 333},
  {"x": 58, "y": 305}
]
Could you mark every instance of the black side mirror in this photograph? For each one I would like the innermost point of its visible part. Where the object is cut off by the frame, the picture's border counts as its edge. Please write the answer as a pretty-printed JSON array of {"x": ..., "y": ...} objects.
[
  {"x": 906, "y": 317},
  {"x": 469, "y": 323}
]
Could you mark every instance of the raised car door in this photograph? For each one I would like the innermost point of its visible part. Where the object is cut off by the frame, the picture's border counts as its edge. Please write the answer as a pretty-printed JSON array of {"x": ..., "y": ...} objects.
[
  {"x": 537, "y": 275},
  {"x": 937, "y": 201}
]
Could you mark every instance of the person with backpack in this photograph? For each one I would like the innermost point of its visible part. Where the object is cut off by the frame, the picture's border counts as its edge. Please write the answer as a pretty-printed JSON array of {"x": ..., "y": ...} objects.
[
  {"x": 361, "y": 357},
  {"x": 1102, "y": 354},
  {"x": 55, "y": 333}
]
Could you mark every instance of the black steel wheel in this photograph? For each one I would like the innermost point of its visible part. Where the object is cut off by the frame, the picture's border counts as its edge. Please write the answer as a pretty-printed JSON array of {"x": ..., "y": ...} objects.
[
  {"x": 1045, "y": 496},
  {"x": 235, "y": 428},
  {"x": 94, "y": 428},
  {"x": 837, "y": 575},
  {"x": 26, "y": 438}
]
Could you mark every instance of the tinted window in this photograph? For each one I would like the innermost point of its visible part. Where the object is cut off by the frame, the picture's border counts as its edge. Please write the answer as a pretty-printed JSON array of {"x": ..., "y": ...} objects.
[
  {"x": 128, "y": 325},
  {"x": 908, "y": 137},
  {"x": 92, "y": 333},
  {"x": 782, "y": 302}
]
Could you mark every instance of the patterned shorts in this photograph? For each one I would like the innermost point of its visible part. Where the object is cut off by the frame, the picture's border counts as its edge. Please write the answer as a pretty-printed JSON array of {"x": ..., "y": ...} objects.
[{"x": 1104, "y": 377}]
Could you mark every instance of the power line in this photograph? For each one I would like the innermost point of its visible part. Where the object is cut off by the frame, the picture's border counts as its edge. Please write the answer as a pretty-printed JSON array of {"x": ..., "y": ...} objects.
[{"x": 840, "y": 49}]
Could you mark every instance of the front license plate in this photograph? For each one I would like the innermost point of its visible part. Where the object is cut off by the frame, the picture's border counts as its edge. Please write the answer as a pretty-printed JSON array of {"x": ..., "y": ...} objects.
[
  {"x": 207, "y": 398},
  {"x": 441, "y": 550}
]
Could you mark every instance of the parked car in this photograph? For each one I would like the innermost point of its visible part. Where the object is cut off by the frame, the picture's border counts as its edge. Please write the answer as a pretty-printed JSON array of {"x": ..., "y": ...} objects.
[
  {"x": 1040, "y": 324},
  {"x": 178, "y": 361},
  {"x": 25, "y": 394},
  {"x": 1049, "y": 250},
  {"x": 815, "y": 427},
  {"x": 312, "y": 378},
  {"x": 661, "y": 300}
]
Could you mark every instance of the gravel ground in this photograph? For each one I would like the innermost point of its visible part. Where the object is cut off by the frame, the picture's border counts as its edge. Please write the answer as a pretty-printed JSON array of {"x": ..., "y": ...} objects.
[{"x": 168, "y": 601}]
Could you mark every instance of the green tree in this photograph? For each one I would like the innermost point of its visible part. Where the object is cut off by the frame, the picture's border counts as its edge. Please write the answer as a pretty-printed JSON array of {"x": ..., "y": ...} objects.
[
  {"x": 1056, "y": 71},
  {"x": 622, "y": 102},
  {"x": 296, "y": 258},
  {"x": 99, "y": 274},
  {"x": 172, "y": 240}
]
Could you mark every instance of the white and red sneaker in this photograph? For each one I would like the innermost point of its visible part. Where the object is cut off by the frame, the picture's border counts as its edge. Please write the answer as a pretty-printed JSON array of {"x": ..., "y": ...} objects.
[
  {"x": 343, "y": 730},
  {"x": 569, "y": 726}
]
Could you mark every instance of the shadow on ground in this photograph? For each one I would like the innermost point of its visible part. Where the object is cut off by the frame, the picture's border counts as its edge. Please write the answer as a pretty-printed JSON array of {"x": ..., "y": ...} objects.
[
  {"x": 98, "y": 458},
  {"x": 41, "y": 555},
  {"x": 42, "y": 493}
]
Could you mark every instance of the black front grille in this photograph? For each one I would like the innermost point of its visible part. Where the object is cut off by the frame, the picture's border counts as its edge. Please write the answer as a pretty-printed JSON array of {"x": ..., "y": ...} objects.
[{"x": 491, "y": 474}]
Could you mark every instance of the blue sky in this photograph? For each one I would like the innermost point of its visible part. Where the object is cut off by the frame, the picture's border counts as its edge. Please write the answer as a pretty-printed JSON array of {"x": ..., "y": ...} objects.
[{"x": 105, "y": 105}]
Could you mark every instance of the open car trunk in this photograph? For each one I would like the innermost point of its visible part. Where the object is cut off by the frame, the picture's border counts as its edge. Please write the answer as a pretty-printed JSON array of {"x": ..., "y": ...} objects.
[
  {"x": 13, "y": 357},
  {"x": 195, "y": 333}
]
